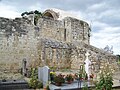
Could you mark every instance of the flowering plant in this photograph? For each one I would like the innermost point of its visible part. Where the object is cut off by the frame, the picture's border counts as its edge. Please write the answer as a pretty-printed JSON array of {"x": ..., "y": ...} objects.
[
  {"x": 59, "y": 78},
  {"x": 105, "y": 81},
  {"x": 52, "y": 75},
  {"x": 91, "y": 76},
  {"x": 69, "y": 77},
  {"x": 34, "y": 82}
]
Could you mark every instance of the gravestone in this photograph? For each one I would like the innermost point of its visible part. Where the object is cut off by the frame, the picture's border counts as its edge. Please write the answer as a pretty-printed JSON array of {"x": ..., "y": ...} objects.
[
  {"x": 24, "y": 69},
  {"x": 87, "y": 65},
  {"x": 46, "y": 74},
  {"x": 43, "y": 74},
  {"x": 40, "y": 73}
]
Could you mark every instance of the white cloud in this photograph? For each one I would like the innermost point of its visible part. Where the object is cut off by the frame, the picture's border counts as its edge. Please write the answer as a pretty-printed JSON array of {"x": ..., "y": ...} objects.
[
  {"x": 111, "y": 13},
  {"x": 76, "y": 14},
  {"x": 36, "y": 6},
  {"x": 103, "y": 18},
  {"x": 8, "y": 11},
  {"x": 111, "y": 30},
  {"x": 97, "y": 6},
  {"x": 99, "y": 25},
  {"x": 107, "y": 36}
]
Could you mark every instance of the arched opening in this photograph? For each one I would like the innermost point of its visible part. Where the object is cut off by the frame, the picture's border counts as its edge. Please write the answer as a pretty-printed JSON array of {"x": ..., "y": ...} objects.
[{"x": 48, "y": 15}]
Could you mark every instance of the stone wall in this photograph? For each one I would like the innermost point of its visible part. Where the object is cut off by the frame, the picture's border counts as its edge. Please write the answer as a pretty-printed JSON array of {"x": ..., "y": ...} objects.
[
  {"x": 16, "y": 43},
  {"x": 72, "y": 55},
  {"x": 67, "y": 30},
  {"x": 59, "y": 43},
  {"x": 52, "y": 53},
  {"x": 53, "y": 29},
  {"x": 98, "y": 57},
  {"x": 77, "y": 30}
]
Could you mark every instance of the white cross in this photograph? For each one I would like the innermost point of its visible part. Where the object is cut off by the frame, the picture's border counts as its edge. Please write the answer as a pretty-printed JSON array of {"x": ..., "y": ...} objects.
[
  {"x": 87, "y": 63},
  {"x": 87, "y": 54}
]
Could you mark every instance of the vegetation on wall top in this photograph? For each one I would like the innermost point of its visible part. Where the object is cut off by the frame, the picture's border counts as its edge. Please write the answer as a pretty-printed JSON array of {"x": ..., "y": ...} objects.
[
  {"x": 31, "y": 12},
  {"x": 36, "y": 13}
]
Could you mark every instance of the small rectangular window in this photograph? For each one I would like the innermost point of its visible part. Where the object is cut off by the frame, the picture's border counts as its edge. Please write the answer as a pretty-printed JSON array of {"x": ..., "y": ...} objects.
[{"x": 64, "y": 34}]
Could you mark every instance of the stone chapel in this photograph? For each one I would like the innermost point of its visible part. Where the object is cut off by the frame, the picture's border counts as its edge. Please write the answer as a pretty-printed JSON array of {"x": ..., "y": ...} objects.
[{"x": 57, "y": 40}]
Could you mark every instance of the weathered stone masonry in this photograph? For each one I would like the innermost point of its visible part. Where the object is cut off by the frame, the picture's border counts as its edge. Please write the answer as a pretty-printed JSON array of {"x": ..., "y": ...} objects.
[{"x": 53, "y": 42}]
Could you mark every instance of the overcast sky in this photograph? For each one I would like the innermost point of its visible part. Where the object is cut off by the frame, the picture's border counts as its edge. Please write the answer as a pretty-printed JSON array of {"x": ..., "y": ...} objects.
[{"x": 103, "y": 15}]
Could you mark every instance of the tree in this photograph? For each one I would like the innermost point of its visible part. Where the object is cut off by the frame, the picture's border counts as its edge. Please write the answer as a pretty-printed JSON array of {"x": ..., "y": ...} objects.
[
  {"x": 24, "y": 13},
  {"x": 31, "y": 12},
  {"x": 36, "y": 13},
  {"x": 37, "y": 16}
]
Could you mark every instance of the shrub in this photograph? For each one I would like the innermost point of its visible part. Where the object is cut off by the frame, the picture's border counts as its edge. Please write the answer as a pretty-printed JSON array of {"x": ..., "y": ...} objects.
[
  {"x": 69, "y": 77},
  {"x": 106, "y": 81},
  {"x": 47, "y": 87},
  {"x": 59, "y": 78},
  {"x": 34, "y": 82}
]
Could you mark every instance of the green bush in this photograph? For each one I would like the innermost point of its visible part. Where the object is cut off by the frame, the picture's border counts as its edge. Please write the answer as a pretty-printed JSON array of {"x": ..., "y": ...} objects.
[
  {"x": 34, "y": 82},
  {"x": 47, "y": 87},
  {"x": 40, "y": 84},
  {"x": 69, "y": 77},
  {"x": 59, "y": 79},
  {"x": 85, "y": 86},
  {"x": 106, "y": 81}
]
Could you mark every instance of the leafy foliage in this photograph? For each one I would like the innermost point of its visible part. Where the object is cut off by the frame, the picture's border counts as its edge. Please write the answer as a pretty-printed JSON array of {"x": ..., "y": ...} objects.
[
  {"x": 47, "y": 87},
  {"x": 69, "y": 77},
  {"x": 36, "y": 13},
  {"x": 34, "y": 82},
  {"x": 82, "y": 74},
  {"x": 106, "y": 81},
  {"x": 85, "y": 86},
  {"x": 59, "y": 79},
  {"x": 24, "y": 13}
]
